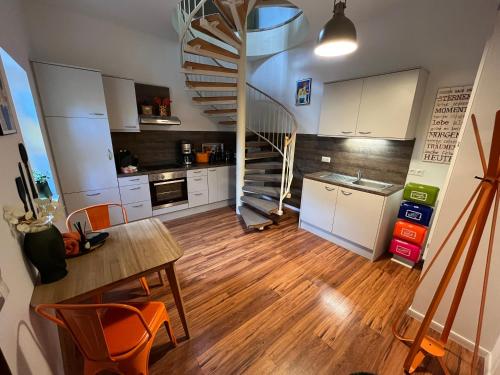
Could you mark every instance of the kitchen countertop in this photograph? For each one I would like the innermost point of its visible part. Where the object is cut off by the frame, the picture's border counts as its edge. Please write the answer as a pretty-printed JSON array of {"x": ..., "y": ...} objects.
[
  {"x": 386, "y": 192},
  {"x": 181, "y": 168}
]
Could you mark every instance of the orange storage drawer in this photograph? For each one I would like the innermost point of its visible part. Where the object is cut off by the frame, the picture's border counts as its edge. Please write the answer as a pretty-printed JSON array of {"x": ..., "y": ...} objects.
[{"x": 410, "y": 232}]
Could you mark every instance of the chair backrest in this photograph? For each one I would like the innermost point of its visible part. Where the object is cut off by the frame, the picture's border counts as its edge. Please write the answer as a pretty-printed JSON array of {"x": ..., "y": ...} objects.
[
  {"x": 97, "y": 216},
  {"x": 85, "y": 324}
]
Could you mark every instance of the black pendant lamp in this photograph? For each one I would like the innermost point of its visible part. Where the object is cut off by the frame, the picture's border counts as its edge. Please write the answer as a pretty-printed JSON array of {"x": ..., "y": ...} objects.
[{"x": 338, "y": 37}]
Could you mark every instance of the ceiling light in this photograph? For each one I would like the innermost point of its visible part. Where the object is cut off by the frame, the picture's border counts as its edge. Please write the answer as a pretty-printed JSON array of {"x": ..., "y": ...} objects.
[{"x": 338, "y": 37}]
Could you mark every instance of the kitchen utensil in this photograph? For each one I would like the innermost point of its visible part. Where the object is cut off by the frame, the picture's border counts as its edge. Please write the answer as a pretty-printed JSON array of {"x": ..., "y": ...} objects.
[
  {"x": 22, "y": 192},
  {"x": 23, "y": 179},
  {"x": 202, "y": 157},
  {"x": 24, "y": 158}
]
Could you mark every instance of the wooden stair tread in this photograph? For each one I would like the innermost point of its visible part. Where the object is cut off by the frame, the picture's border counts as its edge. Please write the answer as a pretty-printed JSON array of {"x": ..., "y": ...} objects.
[
  {"x": 213, "y": 68},
  {"x": 264, "y": 166},
  {"x": 214, "y": 98},
  {"x": 226, "y": 33},
  {"x": 220, "y": 111},
  {"x": 262, "y": 155},
  {"x": 201, "y": 47},
  {"x": 211, "y": 85},
  {"x": 253, "y": 220},
  {"x": 263, "y": 190},
  {"x": 266, "y": 206},
  {"x": 235, "y": 13},
  {"x": 228, "y": 122},
  {"x": 263, "y": 177}
]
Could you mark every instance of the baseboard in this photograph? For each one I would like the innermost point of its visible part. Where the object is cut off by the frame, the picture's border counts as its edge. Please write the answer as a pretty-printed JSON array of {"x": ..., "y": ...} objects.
[
  {"x": 459, "y": 339},
  {"x": 194, "y": 210}
]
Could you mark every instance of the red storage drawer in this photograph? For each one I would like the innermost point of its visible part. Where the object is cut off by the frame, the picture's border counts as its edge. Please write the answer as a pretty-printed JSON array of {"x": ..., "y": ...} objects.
[
  {"x": 410, "y": 232},
  {"x": 405, "y": 249}
]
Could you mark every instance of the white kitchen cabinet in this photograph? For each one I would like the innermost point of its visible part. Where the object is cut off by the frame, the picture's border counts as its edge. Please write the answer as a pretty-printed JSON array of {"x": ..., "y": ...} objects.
[
  {"x": 139, "y": 210},
  {"x": 135, "y": 193},
  {"x": 220, "y": 182},
  {"x": 76, "y": 201},
  {"x": 133, "y": 180},
  {"x": 197, "y": 173},
  {"x": 318, "y": 204},
  {"x": 357, "y": 216},
  {"x": 198, "y": 198},
  {"x": 385, "y": 106},
  {"x": 70, "y": 92},
  {"x": 83, "y": 153},
  {"x": 121, "y": 104},
  {"x": 340, "y": 108},
  {"x": 197, "y": 184}
]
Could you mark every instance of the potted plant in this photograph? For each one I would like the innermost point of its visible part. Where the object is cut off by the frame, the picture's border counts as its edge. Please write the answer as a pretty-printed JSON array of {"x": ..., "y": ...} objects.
[
  {"x": 43, "y": 244},
  {"x": 42, "y": 184}
]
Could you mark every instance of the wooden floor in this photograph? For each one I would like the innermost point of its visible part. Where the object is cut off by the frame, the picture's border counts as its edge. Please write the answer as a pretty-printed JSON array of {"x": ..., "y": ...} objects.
[{"x": 284, "y": 301}]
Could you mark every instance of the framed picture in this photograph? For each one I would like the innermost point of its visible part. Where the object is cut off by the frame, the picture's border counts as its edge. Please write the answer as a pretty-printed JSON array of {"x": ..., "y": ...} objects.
[
  {"x": 7, "y": 124},
  {"x": 303, "y": 92}
]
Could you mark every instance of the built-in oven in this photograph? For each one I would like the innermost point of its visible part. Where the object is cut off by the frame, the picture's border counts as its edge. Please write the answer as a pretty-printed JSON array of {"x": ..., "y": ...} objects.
[{"x": 168, "y": 189}]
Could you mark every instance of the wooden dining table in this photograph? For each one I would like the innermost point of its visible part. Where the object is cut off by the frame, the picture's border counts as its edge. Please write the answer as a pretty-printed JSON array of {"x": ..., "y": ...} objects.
[{"x": 131, "y": 251}]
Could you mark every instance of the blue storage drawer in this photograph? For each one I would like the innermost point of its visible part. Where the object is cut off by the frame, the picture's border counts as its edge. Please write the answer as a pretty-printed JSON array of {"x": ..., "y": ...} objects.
[{"x": 416, "y": 213}]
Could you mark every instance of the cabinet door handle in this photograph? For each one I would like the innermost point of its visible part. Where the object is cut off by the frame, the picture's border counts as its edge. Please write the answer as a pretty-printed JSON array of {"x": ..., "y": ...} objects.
[
  {"x": 93, "y": 195},
  {"x": 365, "y": 132},
  {"x": 135, "y": 179},
  {"x": 212, "y": 170},
  {"x": 136, "y": 188},
  {"x": 329, "y": 188},
  {"x": 198, "y": 179},
  {"x": 110, "y": 154},
  {"x": 346, "y": 132},
  {"x": 345, "y": 192},
  {"x": 138, "y": 206},
  {"x": 130, "y": 127},
  {"x": 198, "y": 194},
  {"x": 97, "y": 114}
]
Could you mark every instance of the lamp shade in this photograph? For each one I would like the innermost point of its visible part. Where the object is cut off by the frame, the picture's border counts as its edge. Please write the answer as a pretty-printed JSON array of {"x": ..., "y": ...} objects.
[{"x": 338, "y": 37}]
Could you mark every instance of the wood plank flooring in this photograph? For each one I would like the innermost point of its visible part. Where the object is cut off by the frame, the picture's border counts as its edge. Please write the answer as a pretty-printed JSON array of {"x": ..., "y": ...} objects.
[{"x": 283, "y": 301}]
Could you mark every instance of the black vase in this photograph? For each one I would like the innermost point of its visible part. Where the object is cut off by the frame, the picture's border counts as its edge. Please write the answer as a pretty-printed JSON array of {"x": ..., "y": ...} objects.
[{"x": 47, "y": 253}]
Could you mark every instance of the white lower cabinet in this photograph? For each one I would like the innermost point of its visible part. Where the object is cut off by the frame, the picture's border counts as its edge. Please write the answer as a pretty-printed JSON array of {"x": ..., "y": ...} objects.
[
  {"x": 318, "y": 204},
  {"x": 76, "y": 201},
  {"x": 359, "y": 221},
  {"x": 198, "y": 198},
  {"x": 139, "y": 210},
  {"x": 135, "y": 193},
  {"x": 357, "y": 216},
  {"x": 220, "y": 184}
]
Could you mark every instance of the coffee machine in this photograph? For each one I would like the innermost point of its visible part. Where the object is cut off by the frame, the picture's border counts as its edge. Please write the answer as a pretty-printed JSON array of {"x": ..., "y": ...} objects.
[{"x": 187, "y": 153}]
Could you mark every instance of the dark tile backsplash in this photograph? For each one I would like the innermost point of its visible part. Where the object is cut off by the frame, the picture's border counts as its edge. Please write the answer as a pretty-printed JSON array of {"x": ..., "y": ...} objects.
[
  {"x": 382, "y": 160},
  {"x": 158, "y": 147}
]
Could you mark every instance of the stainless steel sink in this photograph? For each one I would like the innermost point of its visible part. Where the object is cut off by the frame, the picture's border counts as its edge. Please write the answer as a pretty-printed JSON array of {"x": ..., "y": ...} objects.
[
  {"x": 371, "y": 184},
  {"x": 363, "y": 182}
]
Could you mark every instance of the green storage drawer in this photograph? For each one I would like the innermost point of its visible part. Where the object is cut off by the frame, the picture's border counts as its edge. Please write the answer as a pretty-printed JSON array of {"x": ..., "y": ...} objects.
[{"x": 423, "y": 194}]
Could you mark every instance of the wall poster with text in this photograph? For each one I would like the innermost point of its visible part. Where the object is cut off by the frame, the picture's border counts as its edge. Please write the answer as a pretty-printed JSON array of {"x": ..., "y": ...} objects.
[{"x": 446, "y": 122}]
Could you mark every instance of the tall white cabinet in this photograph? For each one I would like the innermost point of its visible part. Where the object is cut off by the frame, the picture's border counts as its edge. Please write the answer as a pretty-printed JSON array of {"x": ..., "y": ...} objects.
[
  {"x": 385, "y": 106},
  {"x": 75, "y": 113}
]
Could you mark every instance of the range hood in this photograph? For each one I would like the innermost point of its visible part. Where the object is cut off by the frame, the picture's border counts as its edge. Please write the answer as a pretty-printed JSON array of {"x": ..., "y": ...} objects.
[{"x": 159, "y": 120}]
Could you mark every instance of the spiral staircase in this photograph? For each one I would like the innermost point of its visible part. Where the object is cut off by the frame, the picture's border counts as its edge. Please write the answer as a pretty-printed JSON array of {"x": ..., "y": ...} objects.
[{"x": 213, "y": 59}]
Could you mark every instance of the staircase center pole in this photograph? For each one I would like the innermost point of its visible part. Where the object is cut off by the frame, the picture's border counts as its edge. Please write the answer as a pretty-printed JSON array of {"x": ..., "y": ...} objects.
[{"x": 241, "y": 120}]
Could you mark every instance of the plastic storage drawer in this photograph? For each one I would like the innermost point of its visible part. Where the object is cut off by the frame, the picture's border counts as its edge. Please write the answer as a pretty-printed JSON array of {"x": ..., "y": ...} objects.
[
  {"x": 405, "y": 249},
  {"x": 415, "y": 213},
  {"x": 407, "y": 231},
  {"x": 418, "y": 193}
]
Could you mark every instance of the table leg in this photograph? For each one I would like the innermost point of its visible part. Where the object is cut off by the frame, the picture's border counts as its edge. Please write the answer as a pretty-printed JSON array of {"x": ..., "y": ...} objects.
[{"x": 176, "y": 291}]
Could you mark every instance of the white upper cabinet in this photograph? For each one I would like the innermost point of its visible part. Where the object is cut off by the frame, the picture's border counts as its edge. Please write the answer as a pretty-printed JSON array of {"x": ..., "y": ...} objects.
[
  {"x": 83, "y": 153},
  {"x": 390, "y": 105},
  {"x": 340, "y": 107},
  {"x": 121, "y": 104},
  {"x": 384, "y": 106},
  {"x": 70, "y": 92}
]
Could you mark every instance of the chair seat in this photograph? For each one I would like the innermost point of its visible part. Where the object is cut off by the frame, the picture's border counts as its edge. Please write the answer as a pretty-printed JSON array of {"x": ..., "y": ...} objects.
[{"x": 123, "y": 330}]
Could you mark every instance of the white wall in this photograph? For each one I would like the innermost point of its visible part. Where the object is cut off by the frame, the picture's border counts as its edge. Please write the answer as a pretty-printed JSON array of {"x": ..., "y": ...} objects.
[
  {"x": 64, "y": 36},
  {"x": 459, "y": 186},
  {"x": 445, "y": 37},
  {"x": 29, "y": 345}
]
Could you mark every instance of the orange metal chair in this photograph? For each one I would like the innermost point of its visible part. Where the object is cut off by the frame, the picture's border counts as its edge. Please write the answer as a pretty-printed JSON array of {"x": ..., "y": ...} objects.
[
  {"x": 99, "y": 219},
  {"x": 116, "y": 337}
]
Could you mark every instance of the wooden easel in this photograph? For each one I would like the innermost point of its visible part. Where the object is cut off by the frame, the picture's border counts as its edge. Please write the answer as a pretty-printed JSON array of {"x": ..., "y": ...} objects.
[{"x": 484, "y": 198}]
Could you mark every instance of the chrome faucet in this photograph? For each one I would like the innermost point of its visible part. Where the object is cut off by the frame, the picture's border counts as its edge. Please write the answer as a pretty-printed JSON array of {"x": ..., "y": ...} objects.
[{"x": 358, "y": 175}]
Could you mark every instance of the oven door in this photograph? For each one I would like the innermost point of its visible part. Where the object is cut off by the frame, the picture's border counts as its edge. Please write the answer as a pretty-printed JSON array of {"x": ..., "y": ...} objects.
[{"x": 168, "y": 193}]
